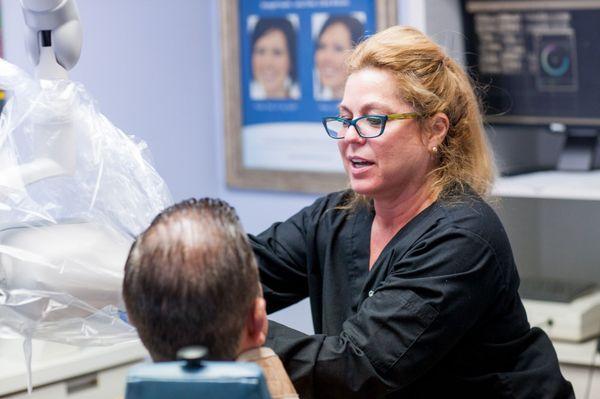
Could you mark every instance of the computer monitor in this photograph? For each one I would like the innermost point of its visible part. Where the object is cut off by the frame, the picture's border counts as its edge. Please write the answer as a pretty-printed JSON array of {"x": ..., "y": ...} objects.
[{"x": 539, "y": 64}]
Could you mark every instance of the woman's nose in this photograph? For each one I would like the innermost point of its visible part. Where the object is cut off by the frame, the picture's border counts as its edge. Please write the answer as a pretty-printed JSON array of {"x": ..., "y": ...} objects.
[{"x": 352, "y": 135}]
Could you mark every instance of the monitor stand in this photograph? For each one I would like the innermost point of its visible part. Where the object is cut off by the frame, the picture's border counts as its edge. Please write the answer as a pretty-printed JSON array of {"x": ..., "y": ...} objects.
[{"x": 579, "y": 150}]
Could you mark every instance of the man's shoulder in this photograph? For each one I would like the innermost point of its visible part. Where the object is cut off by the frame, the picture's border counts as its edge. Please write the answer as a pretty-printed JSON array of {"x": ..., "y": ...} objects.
[
  {"x": 256, "y": 354},
  {"x": 278, "y": 381}
]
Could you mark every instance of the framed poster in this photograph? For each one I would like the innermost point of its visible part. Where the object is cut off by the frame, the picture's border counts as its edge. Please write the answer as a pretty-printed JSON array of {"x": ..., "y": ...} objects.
[{"x": 283, "y": 70}]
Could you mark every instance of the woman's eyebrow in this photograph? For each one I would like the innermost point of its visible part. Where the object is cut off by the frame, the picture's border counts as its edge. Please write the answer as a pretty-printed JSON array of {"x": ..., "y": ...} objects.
[
  {"x": 366, "y": 108},
  {"x": 342, "y": 108},
  {"x": 374, "y": 105}
]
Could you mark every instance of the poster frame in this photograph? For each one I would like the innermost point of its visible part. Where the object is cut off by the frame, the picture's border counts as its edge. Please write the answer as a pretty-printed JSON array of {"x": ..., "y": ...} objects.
[{"x": 237, "y": 174}]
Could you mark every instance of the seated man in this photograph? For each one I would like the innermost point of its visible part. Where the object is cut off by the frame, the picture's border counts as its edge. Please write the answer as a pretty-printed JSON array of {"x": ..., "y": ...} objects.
[{"x": 191, "y": 279}]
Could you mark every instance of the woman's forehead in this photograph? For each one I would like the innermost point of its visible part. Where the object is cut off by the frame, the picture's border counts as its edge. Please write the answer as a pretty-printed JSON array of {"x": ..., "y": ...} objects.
[
  {"x": 372, "y": 87},
  {"x": 374, "y": 77}
]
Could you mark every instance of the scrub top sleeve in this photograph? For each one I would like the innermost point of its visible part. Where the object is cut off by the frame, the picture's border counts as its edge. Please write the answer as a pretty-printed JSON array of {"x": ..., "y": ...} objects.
[
  {"x": 282, "y": 266},
  {"x": 432, "y": 297},
  {"x": 304, "y": 356},
  {"x": 281, "y": 252}
]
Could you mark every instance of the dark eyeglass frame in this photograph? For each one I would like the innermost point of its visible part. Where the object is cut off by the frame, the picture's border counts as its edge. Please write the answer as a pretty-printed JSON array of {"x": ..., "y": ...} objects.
[{"x": 353, "y": 122}]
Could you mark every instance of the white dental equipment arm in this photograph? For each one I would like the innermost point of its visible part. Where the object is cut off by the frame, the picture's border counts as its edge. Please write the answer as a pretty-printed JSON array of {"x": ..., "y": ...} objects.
[
  {"x": 74, "y": 191},
  {"x": 53, "y": 36},
  {"x": 78, "y": 257},
  {"x": 53, "y": 39}
]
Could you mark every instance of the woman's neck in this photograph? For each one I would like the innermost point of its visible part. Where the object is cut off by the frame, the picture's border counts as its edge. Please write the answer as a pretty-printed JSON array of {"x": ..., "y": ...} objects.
[{"x": 394, "y": 212}]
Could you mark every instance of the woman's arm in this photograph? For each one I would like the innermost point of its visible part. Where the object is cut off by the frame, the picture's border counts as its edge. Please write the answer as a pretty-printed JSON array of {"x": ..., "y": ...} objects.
[
  {"x": 281, "y": 255},
  {"x": 285, "y": 250}
]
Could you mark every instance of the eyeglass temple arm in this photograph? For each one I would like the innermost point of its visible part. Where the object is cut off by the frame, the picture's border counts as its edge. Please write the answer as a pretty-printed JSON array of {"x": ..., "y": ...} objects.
[{"x": 408, "y": 115}]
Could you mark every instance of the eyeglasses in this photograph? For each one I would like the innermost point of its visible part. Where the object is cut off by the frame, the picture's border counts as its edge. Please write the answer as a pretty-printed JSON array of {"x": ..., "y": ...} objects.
[{"x": 367, "y": 126}]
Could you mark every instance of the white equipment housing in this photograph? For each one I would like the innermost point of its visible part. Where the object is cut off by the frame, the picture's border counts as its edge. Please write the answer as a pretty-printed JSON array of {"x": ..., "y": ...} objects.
[{"x": 576, "y": 321}]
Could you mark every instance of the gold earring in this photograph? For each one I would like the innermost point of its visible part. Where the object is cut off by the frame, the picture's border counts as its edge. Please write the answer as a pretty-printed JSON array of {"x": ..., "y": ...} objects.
[{"x": 434, "y": 150}]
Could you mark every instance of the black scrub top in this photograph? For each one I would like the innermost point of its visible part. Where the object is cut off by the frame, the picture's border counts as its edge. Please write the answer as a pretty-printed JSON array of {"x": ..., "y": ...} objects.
[{"x": 437, "y": 316}]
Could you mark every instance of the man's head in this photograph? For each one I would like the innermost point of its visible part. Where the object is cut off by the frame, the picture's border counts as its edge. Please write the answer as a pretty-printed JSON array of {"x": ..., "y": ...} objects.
[{"x": 191, "y": 279}]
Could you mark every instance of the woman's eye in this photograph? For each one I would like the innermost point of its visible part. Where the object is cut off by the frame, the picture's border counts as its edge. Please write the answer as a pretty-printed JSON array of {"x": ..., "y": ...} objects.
[
  {"x": 345, "y": 121},
  {"x": 374, "y": 121}
]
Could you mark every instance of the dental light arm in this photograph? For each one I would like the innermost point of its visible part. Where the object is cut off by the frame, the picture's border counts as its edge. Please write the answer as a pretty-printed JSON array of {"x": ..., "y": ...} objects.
[
  {"x": 53, "y": 39},
  {"x": 53, "y": 36},
  {"x": 74, "y": 192}
]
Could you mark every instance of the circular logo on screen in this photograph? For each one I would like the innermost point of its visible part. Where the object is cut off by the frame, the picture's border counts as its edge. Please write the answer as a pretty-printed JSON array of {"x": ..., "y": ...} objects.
[{"x": 555, "y": 60}]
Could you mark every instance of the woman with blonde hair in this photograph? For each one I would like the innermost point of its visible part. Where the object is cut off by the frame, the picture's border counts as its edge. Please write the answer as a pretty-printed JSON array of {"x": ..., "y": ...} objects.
[{"x": 410, "y": 274}]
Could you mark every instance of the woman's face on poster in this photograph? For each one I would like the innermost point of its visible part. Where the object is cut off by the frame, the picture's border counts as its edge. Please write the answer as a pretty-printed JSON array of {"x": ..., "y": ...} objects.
[
  {"x": 271, "y": 62},
  {"x": 330, "y": 57}
]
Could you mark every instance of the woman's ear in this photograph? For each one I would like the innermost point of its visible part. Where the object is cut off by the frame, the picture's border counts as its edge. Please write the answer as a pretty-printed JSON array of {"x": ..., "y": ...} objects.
[{"x": 438, "y": 128}]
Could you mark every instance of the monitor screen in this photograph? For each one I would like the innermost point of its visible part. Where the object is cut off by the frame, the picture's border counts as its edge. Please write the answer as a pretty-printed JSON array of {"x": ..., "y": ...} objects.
[{"x": 538, "y": 60}]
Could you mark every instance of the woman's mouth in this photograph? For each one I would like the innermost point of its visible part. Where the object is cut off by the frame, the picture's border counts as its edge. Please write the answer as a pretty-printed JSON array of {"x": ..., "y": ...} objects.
[{"x": 359, "y": 163}]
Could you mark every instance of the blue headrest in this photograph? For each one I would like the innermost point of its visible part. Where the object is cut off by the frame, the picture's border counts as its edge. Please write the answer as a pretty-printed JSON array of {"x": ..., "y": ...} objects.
[{"x": 215, "y": 380}]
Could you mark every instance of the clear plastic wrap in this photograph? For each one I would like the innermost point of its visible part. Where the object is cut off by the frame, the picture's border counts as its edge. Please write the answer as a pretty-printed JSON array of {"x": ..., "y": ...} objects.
[{"x": 74, "y": 193}]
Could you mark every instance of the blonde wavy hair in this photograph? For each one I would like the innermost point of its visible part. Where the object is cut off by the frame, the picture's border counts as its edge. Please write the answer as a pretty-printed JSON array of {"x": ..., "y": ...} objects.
[{"x": 432, "y": 82}]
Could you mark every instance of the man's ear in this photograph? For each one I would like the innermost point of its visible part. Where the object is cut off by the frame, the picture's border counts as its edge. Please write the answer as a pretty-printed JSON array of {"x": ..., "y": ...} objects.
[
  {"x": 257, "y": 324},
  {"x": 437, "y": 129}
]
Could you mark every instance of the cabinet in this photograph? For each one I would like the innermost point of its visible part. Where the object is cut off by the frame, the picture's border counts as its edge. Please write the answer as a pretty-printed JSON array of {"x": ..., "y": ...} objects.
[
  {"x": 67, "y": 372},
  {"x": 104, "y": 384},
  {"x": 553, "y": 223},
  {"x": 583, "y": 378},
  {"x": 551, "y": 185}
]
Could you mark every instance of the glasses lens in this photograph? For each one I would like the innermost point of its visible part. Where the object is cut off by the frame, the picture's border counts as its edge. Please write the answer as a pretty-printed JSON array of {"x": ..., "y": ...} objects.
[
  {"x": 371, "y": 125},
  {"x": 335, "y": 128}
]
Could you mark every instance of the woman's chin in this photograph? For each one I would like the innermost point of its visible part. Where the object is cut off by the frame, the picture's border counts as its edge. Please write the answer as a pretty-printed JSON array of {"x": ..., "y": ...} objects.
[{"x": 362, "y": 187}]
